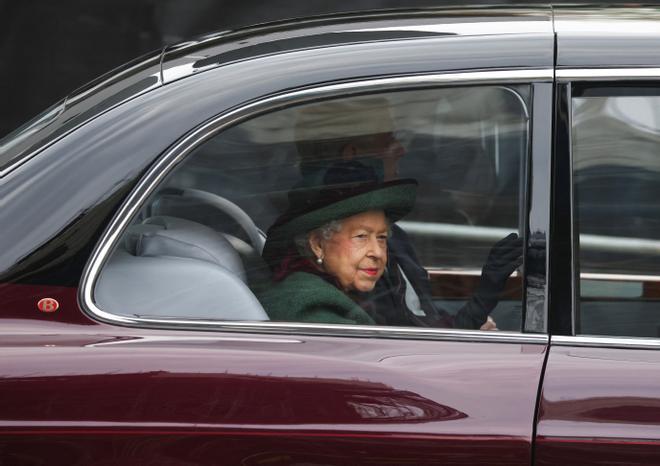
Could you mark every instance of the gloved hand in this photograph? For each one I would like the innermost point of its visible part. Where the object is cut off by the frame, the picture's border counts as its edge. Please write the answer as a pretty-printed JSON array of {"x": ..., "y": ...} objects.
[{"x": 504, "y": 257}]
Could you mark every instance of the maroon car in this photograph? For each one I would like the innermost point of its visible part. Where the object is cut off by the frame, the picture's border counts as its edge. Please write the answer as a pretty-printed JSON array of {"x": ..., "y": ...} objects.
[{"x": 134, "y": 215}]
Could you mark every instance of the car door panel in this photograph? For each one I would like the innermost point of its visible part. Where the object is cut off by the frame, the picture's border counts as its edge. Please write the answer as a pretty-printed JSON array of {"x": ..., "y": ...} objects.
[
  {"x": 599, "y": 406},
  {"x": 599, "y": 401},
  {"x": 273, "y": 399}
]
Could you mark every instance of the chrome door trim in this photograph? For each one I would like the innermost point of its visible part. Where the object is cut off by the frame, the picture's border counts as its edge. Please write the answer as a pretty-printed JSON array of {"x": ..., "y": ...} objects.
[
  {"x": 173, "y": 156},
  {"x": 606, "y": 74},
  {"x": 365, "y": 331},
  {"x": 619, "y": 277},
  {"x": 575, "y": 283},
  {"x": 567, "y": 75},
  {"x": 606, "y": 341}
]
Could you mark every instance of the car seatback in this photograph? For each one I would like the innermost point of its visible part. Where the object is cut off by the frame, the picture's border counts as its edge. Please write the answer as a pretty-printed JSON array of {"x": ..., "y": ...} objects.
[{"x": 171, "y": 267}]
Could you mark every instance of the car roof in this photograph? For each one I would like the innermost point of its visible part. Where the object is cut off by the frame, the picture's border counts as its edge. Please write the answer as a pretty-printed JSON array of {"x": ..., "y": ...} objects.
[
  {"x": 211, "y": 51},
  {"x": 612, "y": 36},
  {"x": 111, "y": 89},
  {"x": 598, "y": 45},
  {"x": 217, "y": 49}
]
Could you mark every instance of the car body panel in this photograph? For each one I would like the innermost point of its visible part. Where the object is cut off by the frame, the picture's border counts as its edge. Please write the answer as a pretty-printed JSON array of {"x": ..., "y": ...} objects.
[
  {"x": 134, "y": 78},
  {"x": 487, "y": 29},
  {"x": 209, "y": 52},
  {"x": 237, "y": 396},
  {"x": 599, "y": 402},
  {"x": 589, "y": 37},
  {"x": 600, "y": 405}
]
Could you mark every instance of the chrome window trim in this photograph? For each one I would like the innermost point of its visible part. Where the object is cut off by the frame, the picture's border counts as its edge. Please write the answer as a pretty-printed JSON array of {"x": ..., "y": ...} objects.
[
  {"x": 178, "y": 152},
  {"x": 454, "y": 231},
  {"x": 606, "y": 341},
  {"x": 575, "y": 277},
  {"x": 606, "y": 74},
  {"x": 463, "y": 272},
  {"x": 599, "y": 74},
  {"x": 365, "y": 331},
  {"x": 619, "y": 277}
]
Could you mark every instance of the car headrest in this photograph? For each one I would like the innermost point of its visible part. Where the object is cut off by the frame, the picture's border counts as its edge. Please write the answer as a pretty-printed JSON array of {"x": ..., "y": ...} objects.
[{"x": 176, "y": 237}]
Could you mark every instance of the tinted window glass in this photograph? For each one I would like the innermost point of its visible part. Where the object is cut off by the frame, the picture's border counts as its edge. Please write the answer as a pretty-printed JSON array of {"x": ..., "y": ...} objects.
[
  {"x": 616, "y": 172},
  {"x": 326, "y": 189}
]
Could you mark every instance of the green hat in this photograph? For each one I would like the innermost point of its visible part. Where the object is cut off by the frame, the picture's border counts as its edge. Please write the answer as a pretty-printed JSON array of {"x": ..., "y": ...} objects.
[{"x": 313, "y": 207}]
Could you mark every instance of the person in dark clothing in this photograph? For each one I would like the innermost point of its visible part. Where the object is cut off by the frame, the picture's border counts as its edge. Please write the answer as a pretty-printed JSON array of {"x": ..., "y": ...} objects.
[
  {"x": 340, "y": 142},
  {"x": 389, "y": 303}
]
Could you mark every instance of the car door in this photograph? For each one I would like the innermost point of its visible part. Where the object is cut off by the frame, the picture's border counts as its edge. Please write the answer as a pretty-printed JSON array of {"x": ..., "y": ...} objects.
[
  {"x": 599, "y": 402},
  {"x": 134, "y": 368}
]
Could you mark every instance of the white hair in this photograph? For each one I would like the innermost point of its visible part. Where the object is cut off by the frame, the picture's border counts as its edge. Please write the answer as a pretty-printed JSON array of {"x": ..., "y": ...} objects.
[{"x": 324, "y": 231}]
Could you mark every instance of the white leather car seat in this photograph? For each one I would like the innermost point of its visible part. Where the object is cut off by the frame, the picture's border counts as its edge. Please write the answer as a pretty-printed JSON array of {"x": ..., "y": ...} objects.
[{"x": 171, "y": 267}]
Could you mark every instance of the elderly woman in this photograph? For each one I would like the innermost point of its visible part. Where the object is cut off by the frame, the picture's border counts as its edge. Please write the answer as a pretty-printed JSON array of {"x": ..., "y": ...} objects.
[{"x": 329, "y": 248}]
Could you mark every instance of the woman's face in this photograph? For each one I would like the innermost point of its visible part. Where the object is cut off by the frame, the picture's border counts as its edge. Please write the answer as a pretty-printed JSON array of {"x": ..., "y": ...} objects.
[{"x": 356, "y": 255}]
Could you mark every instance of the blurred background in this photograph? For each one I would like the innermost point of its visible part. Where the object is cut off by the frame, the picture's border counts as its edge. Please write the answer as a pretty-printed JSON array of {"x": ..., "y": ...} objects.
[{"x": 49, "y": 48}]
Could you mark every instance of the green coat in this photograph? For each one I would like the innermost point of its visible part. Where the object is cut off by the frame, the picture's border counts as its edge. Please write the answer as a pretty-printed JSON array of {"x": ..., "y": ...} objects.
[{"x": 305, "y": 297}]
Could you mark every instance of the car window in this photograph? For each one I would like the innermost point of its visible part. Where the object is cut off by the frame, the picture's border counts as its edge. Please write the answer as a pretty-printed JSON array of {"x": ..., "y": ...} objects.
[
  {"x": 196, "y": 249},
  {"x": 616, "y": 176}
]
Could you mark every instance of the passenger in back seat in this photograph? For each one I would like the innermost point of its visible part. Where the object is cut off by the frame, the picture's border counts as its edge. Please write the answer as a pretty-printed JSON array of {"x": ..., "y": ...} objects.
[
  {"x": 342, "y": 141},
  {"x": 329, "y": 250}
]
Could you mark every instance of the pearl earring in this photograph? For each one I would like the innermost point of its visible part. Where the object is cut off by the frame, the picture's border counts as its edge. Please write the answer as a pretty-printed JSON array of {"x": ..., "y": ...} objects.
[{"x": 319, "y": 260}]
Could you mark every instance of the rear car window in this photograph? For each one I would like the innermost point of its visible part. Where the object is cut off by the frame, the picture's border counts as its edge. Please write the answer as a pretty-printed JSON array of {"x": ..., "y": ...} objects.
[{"x": 616, "y": 175}]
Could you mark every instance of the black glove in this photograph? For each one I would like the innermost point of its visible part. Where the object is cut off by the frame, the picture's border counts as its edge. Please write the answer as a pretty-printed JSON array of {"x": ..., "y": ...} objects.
[{"x": 503, "y": 259}]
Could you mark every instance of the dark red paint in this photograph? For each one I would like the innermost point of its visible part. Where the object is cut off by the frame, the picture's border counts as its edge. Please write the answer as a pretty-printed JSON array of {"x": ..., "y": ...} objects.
[
  {"x": 281, "y": 450},
  {"x": 76, "y": 394},
  {"x": 600, "y": 406},
  {"x": 18, "y": 301}
]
